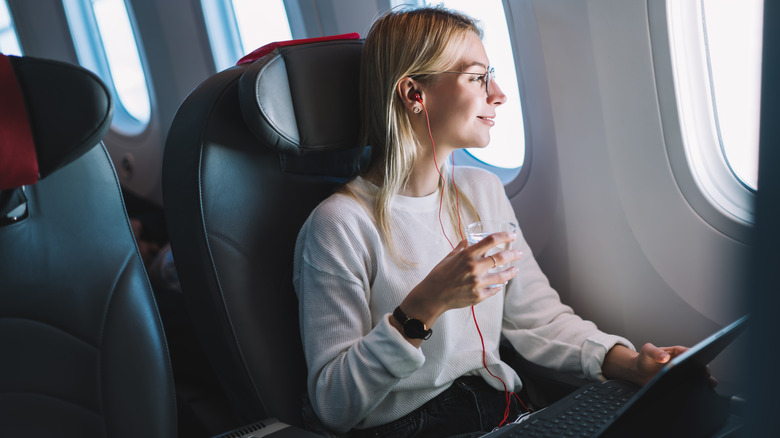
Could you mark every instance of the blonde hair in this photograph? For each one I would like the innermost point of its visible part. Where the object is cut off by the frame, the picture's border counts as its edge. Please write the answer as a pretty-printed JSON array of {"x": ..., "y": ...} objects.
[{"x": 415, "y": 43}]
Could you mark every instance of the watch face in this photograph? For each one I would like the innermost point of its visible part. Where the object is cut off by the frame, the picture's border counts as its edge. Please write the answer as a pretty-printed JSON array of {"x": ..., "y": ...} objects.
[{"x": 415, "y": 329}]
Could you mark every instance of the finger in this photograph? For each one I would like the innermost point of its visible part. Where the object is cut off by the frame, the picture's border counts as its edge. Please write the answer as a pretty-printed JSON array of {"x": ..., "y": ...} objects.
[
  {"x": 656, "y": 354},
  {"x": 713, "y": 382},
  {"x": 501, "y": 277},
  {"x": 506, "y": 257},
  {"x": 488, "y": 291},
  {"x": 493, "y": 240},
  {"x": 493, "y": 289},
  {"x": 491, "y": 260},
  {"x": 675, "y": 351}
]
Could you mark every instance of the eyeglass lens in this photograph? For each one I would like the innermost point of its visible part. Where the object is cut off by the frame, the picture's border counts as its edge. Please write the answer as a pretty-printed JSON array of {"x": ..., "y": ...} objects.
[{"x": 488, "y": 77}]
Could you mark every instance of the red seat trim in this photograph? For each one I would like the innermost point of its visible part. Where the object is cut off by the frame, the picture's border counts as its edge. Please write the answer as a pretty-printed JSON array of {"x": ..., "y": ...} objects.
[
  {"x": 18, "y": 161},
  {"x": 270, "y": 47}
]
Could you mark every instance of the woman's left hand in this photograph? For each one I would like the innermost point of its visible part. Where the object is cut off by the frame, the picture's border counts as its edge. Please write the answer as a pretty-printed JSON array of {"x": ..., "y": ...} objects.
[
  {"x": 638, "y": 367},
  {"x": 651, "y": 359}
]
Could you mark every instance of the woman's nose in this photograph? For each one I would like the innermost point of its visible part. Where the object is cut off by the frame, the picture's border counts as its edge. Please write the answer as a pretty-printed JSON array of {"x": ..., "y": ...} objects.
[{"x": 496, "y": 96}]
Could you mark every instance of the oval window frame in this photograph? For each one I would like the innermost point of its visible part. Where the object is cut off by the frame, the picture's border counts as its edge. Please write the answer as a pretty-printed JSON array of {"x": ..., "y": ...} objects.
[
  {"x": 695, "y": 155},
  {"x": 91, "y": 51}
]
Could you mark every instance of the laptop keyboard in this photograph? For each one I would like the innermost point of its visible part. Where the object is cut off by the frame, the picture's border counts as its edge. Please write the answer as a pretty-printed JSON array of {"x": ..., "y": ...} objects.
[{"x": 585, "y": 414}]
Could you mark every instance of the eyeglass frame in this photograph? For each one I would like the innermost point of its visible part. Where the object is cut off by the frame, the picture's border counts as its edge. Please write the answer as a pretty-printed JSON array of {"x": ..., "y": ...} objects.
[{"x": 489, "y": 75}]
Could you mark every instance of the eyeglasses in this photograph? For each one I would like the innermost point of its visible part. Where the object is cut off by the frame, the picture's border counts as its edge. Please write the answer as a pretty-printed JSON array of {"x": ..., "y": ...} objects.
[{"x": 486, "y": 77}]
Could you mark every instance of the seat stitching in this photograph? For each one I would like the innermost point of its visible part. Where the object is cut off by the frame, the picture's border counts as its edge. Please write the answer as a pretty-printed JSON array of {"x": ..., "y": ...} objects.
[
  {"x": 47, "y": 324},
  {"x": 48, "y": 396}
]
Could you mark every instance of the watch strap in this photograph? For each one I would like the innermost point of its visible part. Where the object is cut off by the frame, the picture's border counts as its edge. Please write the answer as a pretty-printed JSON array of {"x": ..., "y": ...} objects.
[{"x": 423, "y": 331}]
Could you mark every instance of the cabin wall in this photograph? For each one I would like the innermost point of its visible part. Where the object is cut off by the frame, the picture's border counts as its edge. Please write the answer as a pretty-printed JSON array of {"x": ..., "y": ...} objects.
[{"x": 620, "y": 242}]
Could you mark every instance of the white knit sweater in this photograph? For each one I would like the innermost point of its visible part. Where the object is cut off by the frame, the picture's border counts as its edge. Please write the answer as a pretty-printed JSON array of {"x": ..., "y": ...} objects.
[{"x": 362, "y": 372}]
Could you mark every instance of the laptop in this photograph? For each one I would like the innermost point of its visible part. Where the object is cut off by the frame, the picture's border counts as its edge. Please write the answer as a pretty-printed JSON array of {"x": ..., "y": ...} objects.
[{"x": 678, "y": 401}]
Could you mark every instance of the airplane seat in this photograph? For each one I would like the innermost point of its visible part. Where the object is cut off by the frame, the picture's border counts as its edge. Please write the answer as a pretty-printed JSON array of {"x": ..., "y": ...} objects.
[
  {"x": 250, "y": 152},
  {"x": 83, "y": 351}
]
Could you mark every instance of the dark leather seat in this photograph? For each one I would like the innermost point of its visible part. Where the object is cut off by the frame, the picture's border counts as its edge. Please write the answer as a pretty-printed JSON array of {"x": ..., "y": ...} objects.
[
  {"x": 83, "y": 351},
  {"x": 249, "y": 154}
]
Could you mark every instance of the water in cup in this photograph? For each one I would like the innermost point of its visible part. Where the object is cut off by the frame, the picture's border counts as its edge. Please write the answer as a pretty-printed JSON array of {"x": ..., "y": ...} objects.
[{"x": 479, "y": 230}]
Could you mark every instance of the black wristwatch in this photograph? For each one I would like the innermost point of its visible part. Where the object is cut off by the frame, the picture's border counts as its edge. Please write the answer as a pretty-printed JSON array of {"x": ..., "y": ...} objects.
[{"x": 413, "y": 328}]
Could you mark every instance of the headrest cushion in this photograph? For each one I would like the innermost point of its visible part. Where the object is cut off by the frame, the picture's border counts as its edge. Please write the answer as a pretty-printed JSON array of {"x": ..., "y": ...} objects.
[
  {"x": 303, "y": 98},
  {"x": 69, "y": 110}
]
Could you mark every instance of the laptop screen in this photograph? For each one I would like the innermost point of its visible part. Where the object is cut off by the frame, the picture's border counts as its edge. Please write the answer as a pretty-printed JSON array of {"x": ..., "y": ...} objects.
[{"x": 682, "y": 388}]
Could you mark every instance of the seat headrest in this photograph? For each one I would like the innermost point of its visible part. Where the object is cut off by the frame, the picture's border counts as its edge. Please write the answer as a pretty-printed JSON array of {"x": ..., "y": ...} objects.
[
  {"x": 65, "y": 109},
  {"x": 304, "y": 97}
]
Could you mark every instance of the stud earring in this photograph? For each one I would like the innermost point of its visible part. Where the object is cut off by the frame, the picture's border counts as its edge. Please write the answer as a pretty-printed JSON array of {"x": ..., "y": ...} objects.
[{"x": 417, "y": 109}]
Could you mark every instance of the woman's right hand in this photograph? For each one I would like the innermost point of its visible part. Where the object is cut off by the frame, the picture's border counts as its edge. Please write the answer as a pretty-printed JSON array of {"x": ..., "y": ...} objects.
[{"x": 462, "y": 279}]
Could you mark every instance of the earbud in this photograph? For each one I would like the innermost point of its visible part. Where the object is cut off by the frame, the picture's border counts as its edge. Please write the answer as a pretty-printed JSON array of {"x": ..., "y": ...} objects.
[{"x": 417, "y": 98}]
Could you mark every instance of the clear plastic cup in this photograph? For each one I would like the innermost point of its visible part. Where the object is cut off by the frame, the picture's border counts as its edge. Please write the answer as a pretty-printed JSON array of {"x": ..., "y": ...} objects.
[{"x": 479, "y": 230}]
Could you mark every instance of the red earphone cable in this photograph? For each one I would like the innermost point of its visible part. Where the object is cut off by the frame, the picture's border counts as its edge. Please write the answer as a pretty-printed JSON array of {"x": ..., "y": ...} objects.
[
  {"x": 441, "y": 177},
  {"x": 460, "y": 230}
]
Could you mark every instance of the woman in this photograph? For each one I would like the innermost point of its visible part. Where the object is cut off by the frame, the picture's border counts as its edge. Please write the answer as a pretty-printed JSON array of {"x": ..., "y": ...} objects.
[{"x": 395, "y": 307}]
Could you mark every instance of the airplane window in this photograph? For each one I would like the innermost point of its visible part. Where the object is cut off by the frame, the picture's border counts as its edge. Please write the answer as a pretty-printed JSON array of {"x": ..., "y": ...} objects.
[
  {"x": 123, "y": 59},
  {"x": 237, "y": 27},
  {"x": 733, "y": 32},
  {"x": 106, "y": 44},
  {"x": 715, "y": 49},
  {"x": 9, "y": 42},
  {"x": 507, "y": 144},
  {"x": 260, "y": 24}
]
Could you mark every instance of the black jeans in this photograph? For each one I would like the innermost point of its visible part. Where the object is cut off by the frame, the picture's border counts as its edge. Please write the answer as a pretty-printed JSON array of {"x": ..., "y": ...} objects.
[{"x": 470, "y": 407}]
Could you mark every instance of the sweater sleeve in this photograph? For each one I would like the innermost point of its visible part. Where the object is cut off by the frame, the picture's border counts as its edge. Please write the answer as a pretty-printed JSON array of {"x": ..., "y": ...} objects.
[
  {"x": 539, "y": 326},
  {"x": 352, "y": 365},
  {"x": 547, "y": 332}
]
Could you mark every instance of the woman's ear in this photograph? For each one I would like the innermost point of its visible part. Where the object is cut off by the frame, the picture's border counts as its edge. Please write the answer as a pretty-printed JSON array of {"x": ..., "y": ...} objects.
[{"x": 411, "y": 95}]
